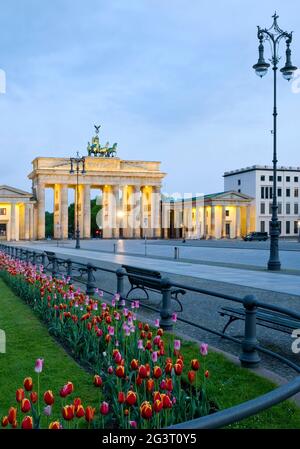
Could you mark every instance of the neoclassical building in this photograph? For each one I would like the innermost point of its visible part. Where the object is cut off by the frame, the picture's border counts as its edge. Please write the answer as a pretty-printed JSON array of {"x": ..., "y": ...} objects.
[
  {"x": 221, "y": 215},
  {"x": 16, "y": 214}
]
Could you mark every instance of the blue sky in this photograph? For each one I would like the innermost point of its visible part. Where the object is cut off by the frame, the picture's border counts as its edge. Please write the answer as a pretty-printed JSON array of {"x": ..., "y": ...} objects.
[{"x": 169, "y": 80}]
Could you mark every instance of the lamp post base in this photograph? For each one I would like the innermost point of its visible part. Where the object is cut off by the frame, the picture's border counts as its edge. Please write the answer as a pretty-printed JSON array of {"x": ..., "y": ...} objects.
[{"x": 274, "y": 265}]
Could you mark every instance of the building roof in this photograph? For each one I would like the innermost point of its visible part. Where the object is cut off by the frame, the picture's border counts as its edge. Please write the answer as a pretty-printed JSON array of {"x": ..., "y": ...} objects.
[
  {"x": 259, "y": 167},
  {"x": 13, "y": 192},
  {"x": 210, "y": 196}
]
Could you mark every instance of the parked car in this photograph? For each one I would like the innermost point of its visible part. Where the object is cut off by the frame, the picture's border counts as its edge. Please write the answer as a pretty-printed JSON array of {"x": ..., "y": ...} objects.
[{"x": 256, "y": 236}]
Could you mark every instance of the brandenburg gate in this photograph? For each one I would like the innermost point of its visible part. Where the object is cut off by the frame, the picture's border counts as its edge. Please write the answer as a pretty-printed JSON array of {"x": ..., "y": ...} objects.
[{"x": 131, "y": 193}]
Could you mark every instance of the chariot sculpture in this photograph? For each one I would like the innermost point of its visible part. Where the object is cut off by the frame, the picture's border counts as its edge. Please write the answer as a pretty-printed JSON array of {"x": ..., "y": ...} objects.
[{"x": 95, "y": 149}]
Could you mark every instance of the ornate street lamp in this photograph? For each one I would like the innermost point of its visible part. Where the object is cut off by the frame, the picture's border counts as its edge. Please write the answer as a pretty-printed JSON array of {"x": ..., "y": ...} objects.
[
  {"x": 274, "y": 35},
  {"x": 79, "y": 163}
]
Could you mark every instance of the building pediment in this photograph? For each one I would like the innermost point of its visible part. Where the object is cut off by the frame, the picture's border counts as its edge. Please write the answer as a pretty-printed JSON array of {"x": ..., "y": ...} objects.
[
  {"x": 231, "y": 195},
  {"x": 12, "y": 192}
]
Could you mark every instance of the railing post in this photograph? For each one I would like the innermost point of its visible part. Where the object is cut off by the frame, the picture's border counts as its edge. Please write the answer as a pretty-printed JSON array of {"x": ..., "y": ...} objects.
[
  {"x": 54, "y": 266},
  {"x": 26, "y": 255},
  {"x": 33, "y": 258},
  {"x": 43, "y": 261},
  {"x": 69, "y": 269},
  {"x": 249, "y": 357},
  {"x": 165, "y": 311},
  {"x": 90, "y": 286},
  {"x": 176, "y": 252},
  {"x": 120, "y": 282},
  {"x": 115, "y": 248}
]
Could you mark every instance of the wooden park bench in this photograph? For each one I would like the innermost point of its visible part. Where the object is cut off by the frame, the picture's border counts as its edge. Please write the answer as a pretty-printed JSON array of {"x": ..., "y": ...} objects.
[
  {"x": 266, "y": 318},
  {"x": 152, "y": 282}
]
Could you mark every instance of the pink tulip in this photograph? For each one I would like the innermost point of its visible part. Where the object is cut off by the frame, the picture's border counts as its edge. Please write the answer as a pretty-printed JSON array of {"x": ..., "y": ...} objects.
[
  {"x": 177, "y": 345},
  {"x": 154, "y": 356},
  {"x": 156, "y": 323},
  {"x": 174, "y": 317},
  {"x": 140, "y": 344},
  {"x": 133, "y": 424},
  {"x": 39, "y": 365},
  {"x": 204, "y": 349}
]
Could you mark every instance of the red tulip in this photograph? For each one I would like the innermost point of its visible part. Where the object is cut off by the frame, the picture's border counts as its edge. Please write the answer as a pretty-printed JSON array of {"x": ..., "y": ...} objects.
[
  {"x": 120, "y": 371},
  {"x": 169, "y": 384},
  {"x": 66, "y": 390},
  {"x": 206, "y": 374},
  {"x": 49, "y": 397},
  {"x": 178, "y": 369},
  {"x": 157, "y": 406},
  {"x": 25, "y": 405},
  {"x": 146, "y": 327},
  {"x": 131, "y": 398},
  {"x": 167, "y": 403},
  {"x": 139, "y": 381},
  {"x": 28, "y": 384},
  {"x": 121, "y": 397},
  {"x": 160, "y": 332},
  {"x": 146, "y": 410},
  {"x": 20, "y": 395},
  {"x": 134, "y": 364},
  {"x": 12, "y": 415},
  {"x": 68, "y": 412},
  {"x": 33, "y": 397},
  {"x": 157, "y": 372},
  {"x": 98, "y": 381},
  {"x": 77, "y": 402},
  {"x": 55, "y": 425},
  {"x": 80, "y": 412},
  {"x": 4, "y": 421},
  {"x": 89, "y": 413},
  {"x": 104, "y": 408},
  {"x": 191, "y": 376},
  {"x": 168, "y": 368},
  {"x": 27, "y": 422},
  {"x": 195, "y": 364},
  {"x": 117, "y": 357},
  {"x": 142, "y": 372},
  {"x": 150, "y": 384}
]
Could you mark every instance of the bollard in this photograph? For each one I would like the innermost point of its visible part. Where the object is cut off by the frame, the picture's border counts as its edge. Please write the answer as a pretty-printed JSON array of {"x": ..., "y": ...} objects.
[
  {"x": 54, "y": 266},
  {"x": 115, "y": 248},
  {"x": 90, "y": 286},
  {"x": 69, "y": 269},
  {"x": 166, "y": 311},
  {"x": 249, "y": 357},
  {"x": 120, "y": 282},
  {"x": 176, "y": 252}
]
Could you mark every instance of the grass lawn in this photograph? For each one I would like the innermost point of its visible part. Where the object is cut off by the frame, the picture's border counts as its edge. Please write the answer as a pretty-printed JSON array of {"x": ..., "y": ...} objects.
[{"x": 28, "y": 339}]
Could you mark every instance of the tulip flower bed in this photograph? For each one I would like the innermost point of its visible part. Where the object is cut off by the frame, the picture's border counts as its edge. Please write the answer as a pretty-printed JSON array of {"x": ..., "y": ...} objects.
[{"x": 138, "y": 376}]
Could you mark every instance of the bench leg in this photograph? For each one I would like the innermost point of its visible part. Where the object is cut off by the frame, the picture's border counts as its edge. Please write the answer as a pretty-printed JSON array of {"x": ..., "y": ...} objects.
[
  {"x": 137, "y": 288},
  {"x": 178, "y": 302},
  {"x": 231, "y": 320}
]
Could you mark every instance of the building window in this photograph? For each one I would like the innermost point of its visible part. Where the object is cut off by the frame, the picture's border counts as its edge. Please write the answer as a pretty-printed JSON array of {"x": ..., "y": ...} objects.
[
  {"x": 288, "y": 192},
  {"x": 262, "y": 178},
  {"x": 270, "y": 178},
  {"x": 267, "y": 192},
  {"x": 239, "y": 190},
  {"x": 239, "y": 182},
  {"x": 279, "y": 208},
  {"x": 279, "y": 178},
  {"x": 262, "y": 226},
  {"x": 227, "y": 213},
  {"x": 296, "y": 208},
  {"x": 296, "y": 192},
  {"x": 279, "y": 192},
  {"x": 262, "y": 192},
  {"x": 262, "y": 208},
  {"x": 270, "y": 208},
  {"x": 288, "y": 178},
  {"x": 271, "y": 192},
  {"x": 296, "y": 230},
  {"x": 288, "y": 209},
  {"x": 288, "y": 227},
  {"x": 3, "y": 211},
  {"x": 295, "y": 178}
]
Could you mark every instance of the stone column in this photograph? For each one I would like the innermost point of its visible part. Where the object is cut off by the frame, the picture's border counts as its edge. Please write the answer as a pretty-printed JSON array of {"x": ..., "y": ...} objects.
[
  {"x": 136, "y": 216},
  {"x": 237, "y": 222},
  {"x": 31, "y": 222},
  {"x": 64, "y": 218},
  {"x": 79, "y": 198},
  {"x": 57, "y": 212},
  {"x": 115, "y": 212},
  {"x": 40, "y": 211},
  {"x": 87, "y": 212},
  {"x": 26, "y": 222},
  {"x": 106, "y": 196},
  {"x": 13, "y": 222},
  {"x": 145, "y": 215},
  {"x": 213, "y": 222},
  {"x": 223, "y": 222},
  {"x": 247, "y": 219},
  {"x": 155, "y": 212}
]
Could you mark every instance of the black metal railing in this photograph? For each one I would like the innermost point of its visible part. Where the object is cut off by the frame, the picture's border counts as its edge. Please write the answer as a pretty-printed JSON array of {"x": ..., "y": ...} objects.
[{"x": 250, "y": 348}]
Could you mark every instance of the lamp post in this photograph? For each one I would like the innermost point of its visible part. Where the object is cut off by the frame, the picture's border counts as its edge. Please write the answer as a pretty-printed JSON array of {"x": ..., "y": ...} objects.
[
  {"x": 78, "y": 162},
  {"x": 274, "y": 35},
  {"x": 298, "y": 223}
]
